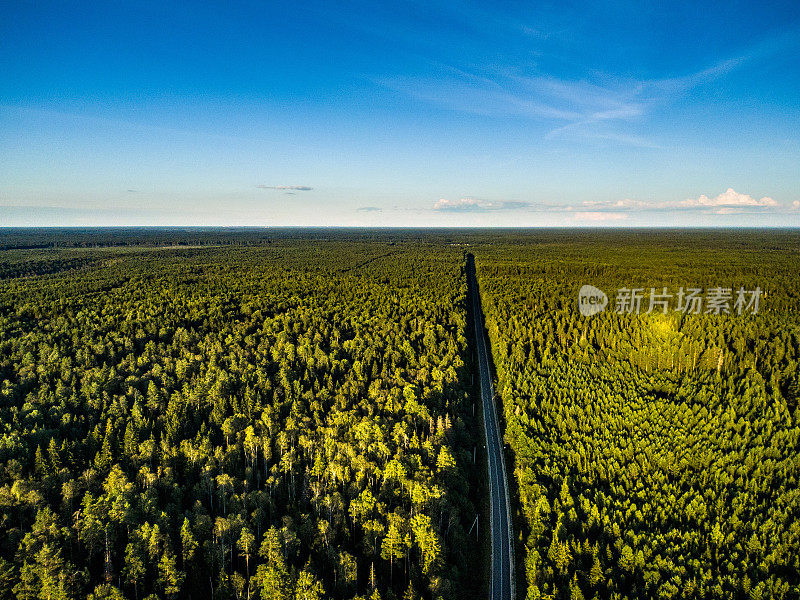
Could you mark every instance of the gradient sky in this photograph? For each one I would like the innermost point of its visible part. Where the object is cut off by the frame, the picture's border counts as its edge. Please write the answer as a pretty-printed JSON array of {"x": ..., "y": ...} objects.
[{"x": 430, "y": 113}]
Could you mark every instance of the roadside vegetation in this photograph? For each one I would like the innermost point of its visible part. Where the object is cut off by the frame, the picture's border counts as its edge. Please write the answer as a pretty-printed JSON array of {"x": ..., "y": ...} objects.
[
  {"x": 284, "y": 421},
  {"x": 282, "y": 414},
  {"x": 656, "y": 456}
]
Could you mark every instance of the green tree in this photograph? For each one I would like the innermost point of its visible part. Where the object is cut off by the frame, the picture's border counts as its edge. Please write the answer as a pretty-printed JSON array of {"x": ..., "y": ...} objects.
[
  {"x": 559, "y": 553},
  {"x": 27, "y": 588},
  {"x": 106, "y": 591},
  {"x": 427, "y": 541},
  {"x": 596, "y": 572},
  {"x": 627, "y": 560},
  {"x": 245, "y": 545},
  {"x": 273, "y": 582},
  {"x": 308, "y": 587},
  {"x": 170, "y": 578},
  {"x": 188, "y": 543},
  {"x": 7, "y": 579},
  {"x": 56, "y": 576},
  {"x": 135, "y": 563}
]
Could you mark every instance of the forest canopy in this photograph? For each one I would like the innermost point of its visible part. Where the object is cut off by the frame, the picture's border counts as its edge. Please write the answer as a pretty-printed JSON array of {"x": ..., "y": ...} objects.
[
  {"x": 287, "y": 413},
  {"x": 655, "y": 455},
  {"x": 279, "y": 421}
]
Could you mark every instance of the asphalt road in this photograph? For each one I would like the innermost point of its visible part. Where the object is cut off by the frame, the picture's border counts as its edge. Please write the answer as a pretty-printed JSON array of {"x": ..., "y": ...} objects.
[{"x": 502, "y": 583}]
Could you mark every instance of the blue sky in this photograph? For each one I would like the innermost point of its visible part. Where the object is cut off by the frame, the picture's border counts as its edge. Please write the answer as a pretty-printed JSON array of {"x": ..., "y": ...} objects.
[{"x": 431, "y": 113}]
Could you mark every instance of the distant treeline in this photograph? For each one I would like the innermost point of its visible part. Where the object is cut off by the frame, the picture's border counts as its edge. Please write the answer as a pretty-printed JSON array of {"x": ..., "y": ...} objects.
[{"x": 591, "y": 240}]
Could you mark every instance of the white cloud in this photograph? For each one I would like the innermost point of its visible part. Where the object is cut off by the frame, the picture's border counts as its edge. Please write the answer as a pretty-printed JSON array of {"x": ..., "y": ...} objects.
[
  {"x": 728, "y": 202},
  {"x": 474, "y": 205},
  {"x": 460, "y": 204},
  {"x": 620, "y": 204},
  {"x": 299, "y": 188},
  {"x": 730, "y": 197},
  {"x": 796, "y": 205}
]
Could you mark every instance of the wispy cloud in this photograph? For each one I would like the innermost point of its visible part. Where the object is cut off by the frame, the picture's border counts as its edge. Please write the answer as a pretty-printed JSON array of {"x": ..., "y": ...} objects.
[
  {"x": 469, "y": 93},
  {"x": 626, "y": 204},
  {"x": 369, "y": 209},
  {"x": 298, "y": 188},
  {"x": 613, "y": 101},
  {"x": 474, "y": 205},
  {"x": 728, "y": 202},
  {"x": 591, "y": 109}
]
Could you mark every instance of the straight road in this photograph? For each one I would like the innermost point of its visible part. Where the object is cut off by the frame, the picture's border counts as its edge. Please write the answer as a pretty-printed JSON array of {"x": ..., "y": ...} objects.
[{"x": 502, "y": 584}]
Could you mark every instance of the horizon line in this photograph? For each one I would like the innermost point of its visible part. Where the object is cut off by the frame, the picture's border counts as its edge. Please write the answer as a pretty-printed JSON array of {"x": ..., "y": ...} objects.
[{"x": 4, "y": 228}]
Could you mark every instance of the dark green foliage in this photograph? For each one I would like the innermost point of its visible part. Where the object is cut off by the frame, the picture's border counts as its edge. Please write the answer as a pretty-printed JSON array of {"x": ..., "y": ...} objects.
[
  {"x": 285, "y": 418},
  {"x": 234, "y": 422},
  {"x": 655, "y": 456}
]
